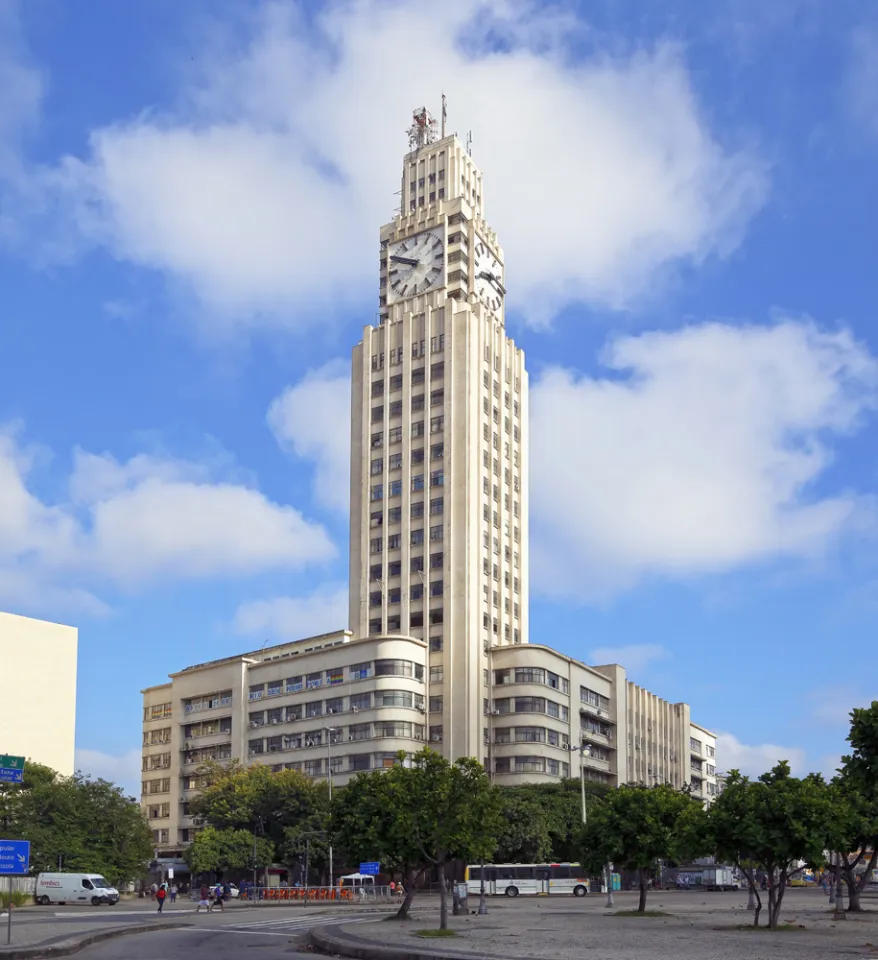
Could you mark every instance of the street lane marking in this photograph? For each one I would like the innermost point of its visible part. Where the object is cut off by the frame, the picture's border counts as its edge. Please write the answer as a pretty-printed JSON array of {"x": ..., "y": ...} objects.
[{"x": 121, "y": 913}]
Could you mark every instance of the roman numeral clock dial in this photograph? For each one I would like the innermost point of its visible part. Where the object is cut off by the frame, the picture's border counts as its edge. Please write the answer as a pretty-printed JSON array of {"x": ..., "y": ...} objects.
[
  {"x": 415, "y": 265},
  {"x": 488, "y": 276}
]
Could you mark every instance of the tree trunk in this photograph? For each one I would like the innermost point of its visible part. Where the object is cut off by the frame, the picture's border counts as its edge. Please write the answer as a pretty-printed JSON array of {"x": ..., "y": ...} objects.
[
  {"x": 853, "y": 893},
  {"x": 410, "y": 879},
  {"x": 443, "y": 897},
  {"x": 855, "y": 886},
  {"x": 641, "y": 875}
]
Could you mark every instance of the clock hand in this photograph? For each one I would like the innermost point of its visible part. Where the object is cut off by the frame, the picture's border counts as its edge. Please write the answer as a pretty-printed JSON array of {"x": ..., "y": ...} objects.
[
  {"x": 406, "y": 260},
  {"x": 492, "y": 279}
]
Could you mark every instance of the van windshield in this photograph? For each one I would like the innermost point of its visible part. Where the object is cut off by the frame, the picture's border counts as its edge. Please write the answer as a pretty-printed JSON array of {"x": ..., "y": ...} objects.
[{"x": 99, "y": 881}]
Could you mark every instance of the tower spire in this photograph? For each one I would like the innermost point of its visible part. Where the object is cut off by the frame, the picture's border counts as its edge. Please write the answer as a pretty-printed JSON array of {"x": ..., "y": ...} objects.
[{"x": 444, "y": 113}]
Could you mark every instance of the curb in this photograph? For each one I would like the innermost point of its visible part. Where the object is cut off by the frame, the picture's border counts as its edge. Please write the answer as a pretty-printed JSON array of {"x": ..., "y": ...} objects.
[
  {"x": 65, "y": 948},
  {"x": 341, "y": 944}
]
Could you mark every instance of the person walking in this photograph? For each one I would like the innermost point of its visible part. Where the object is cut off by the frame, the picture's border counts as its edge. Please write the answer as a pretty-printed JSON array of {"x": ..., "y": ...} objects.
[
  {"x": 400, "y": 892},
  {"x": 173, "y": 892},
  {"x": 160, "y": 895},
  {"x": 219, "y": 897},
  {"x": 205, "y": 900}
]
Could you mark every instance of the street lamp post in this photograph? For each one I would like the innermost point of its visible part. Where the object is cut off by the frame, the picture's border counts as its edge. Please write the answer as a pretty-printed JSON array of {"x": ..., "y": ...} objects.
[
  {"x": 585, "y": 751},
  {"x": 329, "y": 732}
]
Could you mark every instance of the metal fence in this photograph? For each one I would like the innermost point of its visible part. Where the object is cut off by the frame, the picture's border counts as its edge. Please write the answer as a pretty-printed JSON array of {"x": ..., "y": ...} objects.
[
  {"x": 19, "y": 885},
  {"x": 358, "y": 895}
]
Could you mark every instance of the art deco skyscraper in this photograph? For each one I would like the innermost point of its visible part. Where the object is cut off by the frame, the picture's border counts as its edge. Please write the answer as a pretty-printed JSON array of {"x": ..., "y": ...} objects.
[{"x": 439, "y": 536}]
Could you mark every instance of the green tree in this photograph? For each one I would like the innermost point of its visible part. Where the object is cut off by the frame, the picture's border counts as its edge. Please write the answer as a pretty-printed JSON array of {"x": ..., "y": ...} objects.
[
  {"x": 775, "y": 822},
  {"x": 855, "y": 842},
  {"x": 524, "y": 836},
  {"x": 421, "y": 814},
  {"x": 635, "y": 826},
  {"x": 215, "y": 851},
  {"x": 85, "y": 824}
]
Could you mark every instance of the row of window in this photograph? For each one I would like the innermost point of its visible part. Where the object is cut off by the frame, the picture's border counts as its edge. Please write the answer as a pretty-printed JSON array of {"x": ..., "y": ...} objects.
[
  {"x": 211, "y": 701},
  {"x": 158, "y": 811},
  {"x": 592, "y": 725},
  {"x": 416, "y": 565},
  {"x": 400, "y": 729},
  {"x": 437, "y": 371},
  {"x": 394, "y": 461},
  {"x": 353, "y": 763},
  {"x": 219, "y": 751},
  {"x": 335, "y": 676},
  {"x": 337, "y": 705},
  {"x": 494, "y": 386},
  {"x": 417, "y": 618},
  {"x": 153, "y": 737},
  {"x": 394, "y": 488},
  {"x": 416, "y": 592},
  {"x": 162, "y": 785},
  {"x": 394, "y": 408},
  {"x": 494, "y": 624},
  {"x": 507, "y": 475},
  {"x": 532, "y": 675},
  {"x": 531, "y": 735},
  {"x": 394, "y": 514},
  {"x": 437, "y": 345},
  {"x": 394, "y": 434},
  {"x": 531, "y": 705},
  {"x": 593, "y": 699},
  {"x": 160, "y": 711},
  {"x": 555, "y": 768},
  {"x": 207, "y": 728},
  {"x": 394, "y": 540}
]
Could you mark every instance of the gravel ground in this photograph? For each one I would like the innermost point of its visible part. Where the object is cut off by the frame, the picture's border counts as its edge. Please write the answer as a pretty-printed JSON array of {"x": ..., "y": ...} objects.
[{"x": 699, "y": 926}]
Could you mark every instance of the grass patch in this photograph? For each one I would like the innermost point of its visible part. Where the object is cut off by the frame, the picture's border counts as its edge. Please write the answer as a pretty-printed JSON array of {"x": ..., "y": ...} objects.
[
  {"x": 435, "y": 934},
  {"x": 639, "y": 913},
  {"x": 18, "y": 897}
]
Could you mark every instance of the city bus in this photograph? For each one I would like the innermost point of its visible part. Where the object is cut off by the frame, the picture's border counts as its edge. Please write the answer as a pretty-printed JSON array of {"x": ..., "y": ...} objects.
[{"x": 512, "y": 879}]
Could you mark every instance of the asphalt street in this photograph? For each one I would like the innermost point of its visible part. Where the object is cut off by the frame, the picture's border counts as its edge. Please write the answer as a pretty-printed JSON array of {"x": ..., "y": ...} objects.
[{"x": 220, "y": 936}]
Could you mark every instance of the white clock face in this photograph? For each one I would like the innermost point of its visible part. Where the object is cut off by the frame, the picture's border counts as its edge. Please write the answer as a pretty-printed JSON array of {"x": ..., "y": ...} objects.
[
  {"x": 488, "y": 276},
  {"x": 414, "y": 265}
]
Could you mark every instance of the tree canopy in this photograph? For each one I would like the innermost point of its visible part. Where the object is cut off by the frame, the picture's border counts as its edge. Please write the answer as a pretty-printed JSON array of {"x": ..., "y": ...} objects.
[{"x": 81, "y": 823}]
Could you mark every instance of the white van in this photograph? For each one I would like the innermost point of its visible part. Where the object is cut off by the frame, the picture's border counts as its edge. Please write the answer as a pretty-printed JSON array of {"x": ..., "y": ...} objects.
[{"x": 74, "y": 888}]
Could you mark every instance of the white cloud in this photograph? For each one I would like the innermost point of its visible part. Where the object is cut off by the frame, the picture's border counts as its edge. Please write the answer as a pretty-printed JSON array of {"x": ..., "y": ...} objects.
[
  {"x": 753, "y": 761},
  {"x": 697, "y": 453},
  {"x": 123, "y": 770},
  {"x": 292, "y": 618},
  {"x": 634, "y": 658},
  {"x": 132, "y": 522},
  {"x": 312, "y": 420},
  {"x": 263, "y": 189}
]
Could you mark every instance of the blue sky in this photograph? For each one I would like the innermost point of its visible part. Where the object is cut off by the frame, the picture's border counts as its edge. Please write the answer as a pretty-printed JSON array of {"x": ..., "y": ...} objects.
[{"x": 190, "y": 197}]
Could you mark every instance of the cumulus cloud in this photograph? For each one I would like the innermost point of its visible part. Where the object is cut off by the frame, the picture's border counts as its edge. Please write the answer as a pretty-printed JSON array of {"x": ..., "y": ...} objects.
[
  {"x": 634, "y": 657},
  {"x": 754, "y": 760},
  {"x": 131, "y": 522},
  {"x": 312, "y": 420},
  {"x": 263, "y": 188},
  {"x": 121, "y": 769},
  {"x": 292, "y": 618},
  {"x": 697, "y": 452}
]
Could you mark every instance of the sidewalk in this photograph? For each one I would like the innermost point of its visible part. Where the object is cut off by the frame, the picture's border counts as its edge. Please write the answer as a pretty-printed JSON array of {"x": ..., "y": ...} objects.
[
  {"x": 68, "y": 939},
  {"x": 690, "y": 926}
]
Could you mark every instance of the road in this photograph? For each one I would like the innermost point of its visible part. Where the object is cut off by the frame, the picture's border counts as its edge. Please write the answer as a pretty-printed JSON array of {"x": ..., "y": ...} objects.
[{"x": 264, "y": 925}]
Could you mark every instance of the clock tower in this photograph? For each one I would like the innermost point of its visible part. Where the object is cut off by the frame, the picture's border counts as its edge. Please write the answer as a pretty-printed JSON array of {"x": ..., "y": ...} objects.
[{"x": 439, "y": 538}]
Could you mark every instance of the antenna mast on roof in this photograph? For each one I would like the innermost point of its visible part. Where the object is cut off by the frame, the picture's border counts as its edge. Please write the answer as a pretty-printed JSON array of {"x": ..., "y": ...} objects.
[
  {"x": 469, "y": 143},
  {"x": 444, "y": 114},
  {"x": 423, "y": 129}
]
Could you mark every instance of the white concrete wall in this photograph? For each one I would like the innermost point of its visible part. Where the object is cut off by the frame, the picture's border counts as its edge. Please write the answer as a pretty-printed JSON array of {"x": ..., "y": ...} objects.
[{"x": 38, "y": 699}]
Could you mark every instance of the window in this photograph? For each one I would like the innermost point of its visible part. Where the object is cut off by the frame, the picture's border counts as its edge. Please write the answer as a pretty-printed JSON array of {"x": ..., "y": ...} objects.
[
  {"x": 437, "y": 424},
  {"x": 375, "y": 626},
  {"x": 501, "y": 765},
  {"x": 377, "y": 440},
  {"x": 377, "y": 466},
  {"x": 394, "y": 568},
  {"x": 417, "y": 509},
  {"x": 530, "y": 734},
  {"x": 437, "y": 370},
  {"x": 361, "y": 701},
  {"x": 436, "y": 533},
  {"x": 393, "y": 542},
  {"x": 436, "y": 674},
  {"x": 530, "y": 675},
  {"x": 416, "y": 592},
  {"x": 394, "y": 488},
  {"x": 378, "y": 388},
  {"x": 396, "y": 382},
  {"x": 395, "y": 461},
  {"x": 394, "y": 435},
  {"x": 360, "y": 761},
  {"x": 437, "y": 398},
  {"x": 530, "y": 705},
  {"x": 377, "y": 414},
  {"x": 378, "y": 491},
  {"x": 394, "y": 698},
  {"x": 436, "y": 561},
  {"x": 437, "y": 451},
  {"x": 375, "y": 571},
  {"x": 418, "y": 482},
  {"x": 417, "y": 402},
  {"x": 417, "y": 564},
  {"x": 530, "y": 765},
  {"x": 437, "y": 478},
  {"x": 436, "y": 616},
  {"x": 418, "y": 455},
  {"x": 375, "y": 599},
  {"x": 417, "y": 537},
  {"x": 394, "y": 596},
  {"x": 375, "y": 545},
  {"x": 394, "y": 668},
  {"x": 437, "y": 505}
]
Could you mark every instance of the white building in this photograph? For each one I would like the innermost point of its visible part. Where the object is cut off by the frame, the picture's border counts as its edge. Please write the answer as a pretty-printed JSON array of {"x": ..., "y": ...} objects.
[
  {"x": 437, "y": 652},
  {"x": 38, "y": 703}
]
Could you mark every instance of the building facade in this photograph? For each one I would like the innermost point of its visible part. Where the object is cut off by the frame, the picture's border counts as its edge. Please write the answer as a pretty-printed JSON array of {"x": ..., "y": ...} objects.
[
  {"x": 439, "y": 536},
  {"x": 437, "y": 652},
  {"x": 38, "y": 657}
]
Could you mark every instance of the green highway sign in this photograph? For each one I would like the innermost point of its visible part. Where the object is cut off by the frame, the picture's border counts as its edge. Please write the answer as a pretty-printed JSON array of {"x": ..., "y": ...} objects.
[{"x": 11, "y": 769}]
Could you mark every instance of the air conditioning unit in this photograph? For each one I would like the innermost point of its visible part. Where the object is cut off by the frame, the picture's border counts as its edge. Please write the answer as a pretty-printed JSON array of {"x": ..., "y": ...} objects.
[
  {"x": 436, "y": 737},
  {"x": 422, "y": 710},
  {"x": 253, "y": 724},
  {"x": 355, "y": 709},
  {"x": 495, "y": 712}
]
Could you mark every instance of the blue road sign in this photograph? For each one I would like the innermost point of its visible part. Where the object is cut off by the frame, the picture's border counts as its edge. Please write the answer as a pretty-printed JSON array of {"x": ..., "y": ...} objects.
[
  {"x": 372, "y": 868},
  {"x": 11, "y": 776},
  {"x": 14, "y": 857}
]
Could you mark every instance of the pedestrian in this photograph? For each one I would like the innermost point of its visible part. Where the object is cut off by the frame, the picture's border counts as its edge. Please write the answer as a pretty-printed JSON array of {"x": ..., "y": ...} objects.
[
  {"x": 400, "y": 892},
  {"x": 173, "y": 893},
  {"x": 204, "y": 894},
  {"x": 219, "y": 897},
  {"x": 153, "y": 890},
  {"x": 160, "y": 895}
]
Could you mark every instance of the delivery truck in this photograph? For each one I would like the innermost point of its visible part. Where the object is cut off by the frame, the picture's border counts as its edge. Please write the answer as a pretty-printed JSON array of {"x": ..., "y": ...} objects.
[
  {"x": 75, "y": 888},
  {"x": 718, "y": 878}
]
